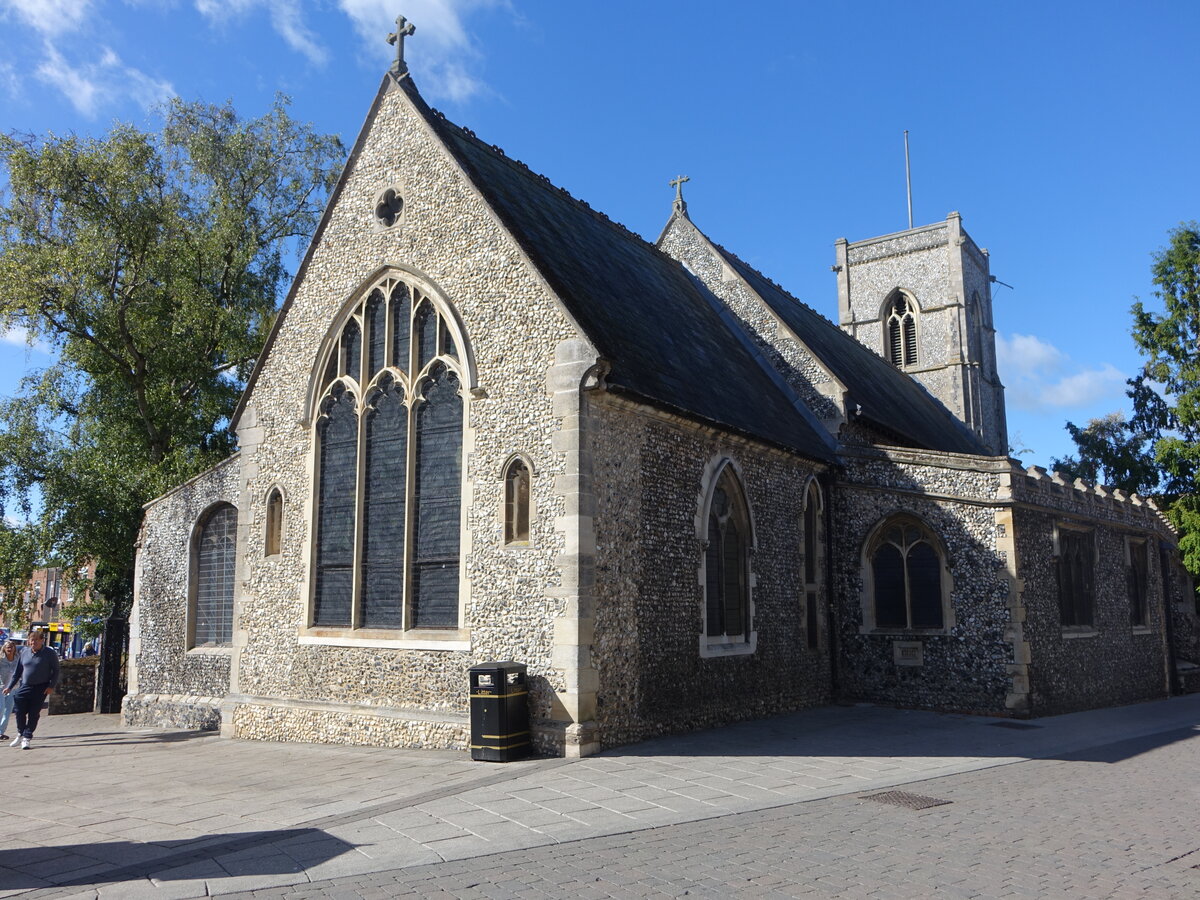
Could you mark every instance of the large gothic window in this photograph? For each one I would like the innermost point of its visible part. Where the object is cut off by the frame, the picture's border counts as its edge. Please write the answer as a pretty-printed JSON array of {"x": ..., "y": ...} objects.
[
  {"x": 215, "y": 560},
  {"x": 727, "y": 563},
  {"x": 901, "y": 331},
  {"x": 907, "y": 577},
  {"x": 389, "y": 434}
]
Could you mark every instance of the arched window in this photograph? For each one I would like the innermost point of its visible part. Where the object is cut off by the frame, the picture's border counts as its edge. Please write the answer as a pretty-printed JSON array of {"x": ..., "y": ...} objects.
[
  {"x": 908, "y": 583},
  {"x": 814, "y": 564},
  {"x": 387, "y": 531},
  {"x": 727, "y": 563},
  {"x": 516, "y": 503},
  {"x": 901, "y": 330},
  {"x": 274, "y": 536},
  {"x": 215, "y": 561}
]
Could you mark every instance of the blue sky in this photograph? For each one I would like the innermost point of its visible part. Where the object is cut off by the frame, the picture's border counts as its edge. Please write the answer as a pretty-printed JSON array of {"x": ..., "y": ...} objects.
[{"x": 1064, "y": 133}]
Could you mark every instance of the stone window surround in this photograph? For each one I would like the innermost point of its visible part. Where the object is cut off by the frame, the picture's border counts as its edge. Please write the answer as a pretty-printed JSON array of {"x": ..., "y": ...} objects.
[
  {"x": 440, "y": 639},
  {"x": 400, "y": 193},
  {"x": 708, "y": 483},
  {"x": 524, "y": 460},
  {"x": 193, "y": 583},
  {"x": 274, "y": 529},
  {"x": 1072, "y": 632},
  {"x": 867, "y": 598}
]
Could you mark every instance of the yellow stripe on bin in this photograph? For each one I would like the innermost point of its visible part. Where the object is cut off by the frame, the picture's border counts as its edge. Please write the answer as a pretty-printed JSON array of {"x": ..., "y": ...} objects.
[{"x": 498, "y": 696}]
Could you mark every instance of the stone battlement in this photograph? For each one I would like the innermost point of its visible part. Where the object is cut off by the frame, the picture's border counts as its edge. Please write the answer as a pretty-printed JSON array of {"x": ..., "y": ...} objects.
[{"x": 1078, "y": 496}]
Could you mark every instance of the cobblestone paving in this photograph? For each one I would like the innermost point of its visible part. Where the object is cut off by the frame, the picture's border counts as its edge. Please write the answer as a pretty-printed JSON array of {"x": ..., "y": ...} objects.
[{"x": 1115, "y": 821}]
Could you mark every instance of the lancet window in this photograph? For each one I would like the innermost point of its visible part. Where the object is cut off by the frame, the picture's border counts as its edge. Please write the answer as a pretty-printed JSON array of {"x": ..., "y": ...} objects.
[
  {"x": 814, "y": 564},
  {"x": 516, "y": 503},
  {"x": 389, "y": 434},
  {"x": 727, "y": 563}
]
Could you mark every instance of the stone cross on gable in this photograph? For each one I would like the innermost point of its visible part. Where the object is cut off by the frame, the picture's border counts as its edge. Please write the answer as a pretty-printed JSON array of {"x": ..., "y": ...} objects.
[
  {"x": 677, "y": 183},
  {"x": 403, "y": 29}
]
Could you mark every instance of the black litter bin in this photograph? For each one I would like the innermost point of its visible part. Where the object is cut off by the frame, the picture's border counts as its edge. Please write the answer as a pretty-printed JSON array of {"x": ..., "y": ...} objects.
[{"x": 499, "y": 712}]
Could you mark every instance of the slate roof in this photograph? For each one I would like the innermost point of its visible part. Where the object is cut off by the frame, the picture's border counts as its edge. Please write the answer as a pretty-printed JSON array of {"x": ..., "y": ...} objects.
[
  {"x": 888, "y": 397},
  {"x": 667, "y": 338}
]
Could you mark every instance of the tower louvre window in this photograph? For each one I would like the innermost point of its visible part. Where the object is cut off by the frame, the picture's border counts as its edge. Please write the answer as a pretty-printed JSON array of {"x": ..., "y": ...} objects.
[
  {"x": 387, "y": 527},
  {"x": 901, "y": 327}
]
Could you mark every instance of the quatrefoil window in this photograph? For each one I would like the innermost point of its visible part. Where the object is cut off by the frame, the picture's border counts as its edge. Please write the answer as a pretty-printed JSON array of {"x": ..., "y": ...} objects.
[{"x": 388, "y": 208}]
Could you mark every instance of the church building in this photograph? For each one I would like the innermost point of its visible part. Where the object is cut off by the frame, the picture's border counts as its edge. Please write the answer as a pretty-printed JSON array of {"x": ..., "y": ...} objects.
[{"x": 492, "y": 424}]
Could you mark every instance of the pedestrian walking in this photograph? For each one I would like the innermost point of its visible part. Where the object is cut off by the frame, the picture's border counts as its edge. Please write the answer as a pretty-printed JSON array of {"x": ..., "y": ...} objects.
[
  {"x": 32, "y": 681},
  {"x": 8, "y": 665}
]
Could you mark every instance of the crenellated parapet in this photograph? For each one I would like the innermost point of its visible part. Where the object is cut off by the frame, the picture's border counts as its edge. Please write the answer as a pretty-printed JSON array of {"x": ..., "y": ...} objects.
[{"x": 1038, "y": 486}]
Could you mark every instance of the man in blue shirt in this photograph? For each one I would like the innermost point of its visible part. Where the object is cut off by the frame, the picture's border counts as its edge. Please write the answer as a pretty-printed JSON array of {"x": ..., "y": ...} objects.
[{"x": 32, "y": 682}]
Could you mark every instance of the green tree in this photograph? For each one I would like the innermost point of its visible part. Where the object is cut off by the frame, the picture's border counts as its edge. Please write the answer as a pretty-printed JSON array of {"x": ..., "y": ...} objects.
[
  {"x": 1111, "y": 452},
  {"x": 152, "y": 263},
  {"x": 19, "y": 550},
  {"x": 1166, "y": 394}
]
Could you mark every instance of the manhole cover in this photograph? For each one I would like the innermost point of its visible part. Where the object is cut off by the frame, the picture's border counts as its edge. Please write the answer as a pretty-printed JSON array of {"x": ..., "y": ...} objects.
[
  {"x": 907, "y": 800},
  {"x": 1022, "y": 726}
]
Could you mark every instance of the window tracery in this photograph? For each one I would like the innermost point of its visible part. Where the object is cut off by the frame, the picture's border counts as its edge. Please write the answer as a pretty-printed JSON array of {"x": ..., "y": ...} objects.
[
  {"x": 909, "y": 589},
  {"x": 901, "y": 330},
  {"x": 387, "y": 526}
]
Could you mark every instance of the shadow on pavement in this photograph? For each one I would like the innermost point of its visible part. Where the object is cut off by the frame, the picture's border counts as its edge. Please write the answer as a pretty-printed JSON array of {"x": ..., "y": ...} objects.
[
  {"x": 126, "y": 737},
  {"x": 830, "y": 732},
  {"x": 247, "y": 853}
]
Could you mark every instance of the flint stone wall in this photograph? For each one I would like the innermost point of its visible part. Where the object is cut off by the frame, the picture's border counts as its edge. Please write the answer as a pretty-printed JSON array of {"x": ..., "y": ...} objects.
[
  {"x": 788, "y": 356},
  {"x": 648, "y": 470},
  {"x": 1114, "y": 662},
  {"x": 76, "y": 691},
  {"x": 172, "y": 684},
  {"x": 919, "y": 263},
  {"x": 966, "y": 668},
  {"x": 447, "y": 236}
]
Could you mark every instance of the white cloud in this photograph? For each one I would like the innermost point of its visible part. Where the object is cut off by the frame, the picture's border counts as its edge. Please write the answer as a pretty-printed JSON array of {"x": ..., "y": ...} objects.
[
  {"x": 287, "y": 18},
  {"x": 1038, "y": 376},
  {"x": 90, "y": 85},
  {"x": 49, "y": 17},
  {"x": 19, "y": 337},
  {"x": 10, "y": 81},
  {"x": 440, "y": 52}
]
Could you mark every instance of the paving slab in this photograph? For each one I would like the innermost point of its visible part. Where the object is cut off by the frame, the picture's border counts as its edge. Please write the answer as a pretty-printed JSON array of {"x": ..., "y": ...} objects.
[{"x": 177, "y": 801}]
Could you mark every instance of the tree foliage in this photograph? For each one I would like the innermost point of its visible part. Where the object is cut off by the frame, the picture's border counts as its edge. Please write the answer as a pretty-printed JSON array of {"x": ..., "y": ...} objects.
[
  {"x": 152, "y": 263},
  {"x": 1166, "y": 394},
  {"x": 1157, "y": 451},
  {"x": 1111, "y": 452}
]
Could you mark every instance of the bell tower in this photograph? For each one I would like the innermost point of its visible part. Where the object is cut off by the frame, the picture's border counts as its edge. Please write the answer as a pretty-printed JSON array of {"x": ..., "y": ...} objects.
[{"x": 922, "y": 299}]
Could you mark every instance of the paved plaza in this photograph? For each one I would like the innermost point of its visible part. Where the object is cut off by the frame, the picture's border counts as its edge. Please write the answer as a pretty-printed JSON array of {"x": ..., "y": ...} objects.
[{"x": 855, "y": 802}]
